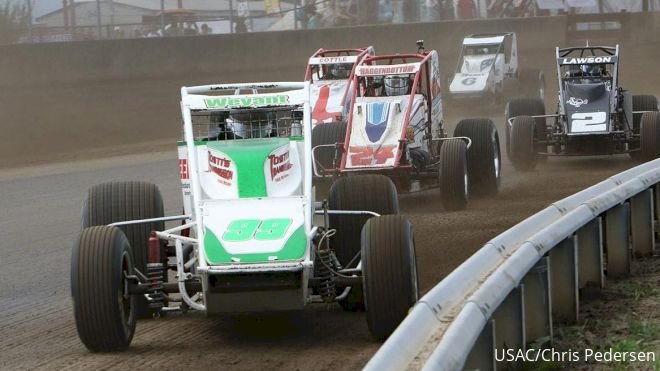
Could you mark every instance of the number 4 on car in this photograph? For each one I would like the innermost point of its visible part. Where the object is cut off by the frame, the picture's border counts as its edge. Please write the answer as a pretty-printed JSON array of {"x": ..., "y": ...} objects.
[{"x": 246, "y": 241}]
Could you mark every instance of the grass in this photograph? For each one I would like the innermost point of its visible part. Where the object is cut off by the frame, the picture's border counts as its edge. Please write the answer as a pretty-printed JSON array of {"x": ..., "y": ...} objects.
[{"x": 626, "y": 318}]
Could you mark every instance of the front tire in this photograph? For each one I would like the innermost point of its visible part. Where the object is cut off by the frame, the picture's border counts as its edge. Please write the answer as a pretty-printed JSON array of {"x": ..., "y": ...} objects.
[
  {"x": 105, "y": 317},
  {"x": 523, "y": 153},
  {"x": 525, "y": 107},
  {"x": 389, "y": 272},
  {"x": 650, "y": 136},
  {"x": 453, "y": 174},
  {"x": 483, "y": 156}
]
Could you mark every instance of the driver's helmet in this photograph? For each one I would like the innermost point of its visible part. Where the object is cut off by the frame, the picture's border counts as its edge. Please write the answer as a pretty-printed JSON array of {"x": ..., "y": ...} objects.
[
  {"x": 396, "y": 85},
  {"x": 591, "y": 70},
  {"x": 340, "y": 70},
  {"x": 247, "y": 125}
]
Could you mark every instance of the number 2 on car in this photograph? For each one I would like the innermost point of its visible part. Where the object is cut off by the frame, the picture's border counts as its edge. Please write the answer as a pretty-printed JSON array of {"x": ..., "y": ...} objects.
[{"x": 261, "y": 230}]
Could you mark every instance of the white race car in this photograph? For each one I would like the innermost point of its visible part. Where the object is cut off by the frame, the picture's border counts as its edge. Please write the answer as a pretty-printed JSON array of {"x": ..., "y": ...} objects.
[
  {"x": 330, "y": 73},
  {"x": 247, "y": 241},
  {"x": 488, "y": 69}
]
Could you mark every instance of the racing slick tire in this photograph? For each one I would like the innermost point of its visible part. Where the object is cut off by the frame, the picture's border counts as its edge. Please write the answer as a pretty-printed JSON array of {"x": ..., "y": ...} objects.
[
  {"x": 523, "y": 154},
  {"x": 525, "y": 107},
  {"x": 649, "y": 147},
  {"x": 328, "y": 133},
  {"x": 105, "y": 317},
  {"x": 453, "y": 174},
  {"x": 389, "y": 272},
  {"x": 532, "y": 83},
  {"x": 370, "y": 192},
  {"x": 642, "y": 103},
  {"x": 483, "y": 156},
  {"x": 112, "y": 202}
]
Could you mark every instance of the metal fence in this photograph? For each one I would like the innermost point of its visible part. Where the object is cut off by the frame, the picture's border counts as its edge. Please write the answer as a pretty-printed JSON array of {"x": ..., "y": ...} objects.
[{"x": 508, "y": 294}]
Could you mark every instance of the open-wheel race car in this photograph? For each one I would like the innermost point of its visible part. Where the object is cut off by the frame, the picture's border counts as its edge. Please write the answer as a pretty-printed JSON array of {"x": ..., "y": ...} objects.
[
  {"x": 247, "y": 241},
  {"x": 488, "y": 71},
  {"x": 330, "y": 73},
  {"x": 395, "y": 127},
  {"x": 595, "y": 116}
]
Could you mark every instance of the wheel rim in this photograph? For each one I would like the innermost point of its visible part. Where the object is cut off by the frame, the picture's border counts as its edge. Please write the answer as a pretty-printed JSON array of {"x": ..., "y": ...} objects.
[{"x": 496, "y": 155}]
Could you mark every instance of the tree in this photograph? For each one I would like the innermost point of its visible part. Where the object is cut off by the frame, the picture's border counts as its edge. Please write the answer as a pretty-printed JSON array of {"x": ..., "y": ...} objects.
[{"x": 13, "y": 22}]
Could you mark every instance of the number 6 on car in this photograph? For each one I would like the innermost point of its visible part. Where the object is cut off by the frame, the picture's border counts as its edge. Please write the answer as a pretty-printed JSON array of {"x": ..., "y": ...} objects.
[{"x": 246, "y": 240}]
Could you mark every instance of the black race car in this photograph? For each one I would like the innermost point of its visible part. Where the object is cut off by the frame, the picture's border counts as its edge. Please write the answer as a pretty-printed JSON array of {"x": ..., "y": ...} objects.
[{"x": 595, "y": 116}]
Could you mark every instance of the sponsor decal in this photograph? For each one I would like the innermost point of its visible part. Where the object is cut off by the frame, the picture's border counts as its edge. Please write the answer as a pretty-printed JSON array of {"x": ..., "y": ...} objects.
[
  {"x": 279, "y": 166},
  {"x": 588, "y": 60},
  {"x": 469, "y": 81},
  {"x": 368, "y": 155},
  {"x": 256, "y": 101},
  {"x": 387, "y": 70},
  {"x": 377, "y": 115},
  {"x": 220, "y": 166},
  {"x": 577, "y": 102},
  {"x": 342, "y": 59},
  {"x": 183, "y": 169}
]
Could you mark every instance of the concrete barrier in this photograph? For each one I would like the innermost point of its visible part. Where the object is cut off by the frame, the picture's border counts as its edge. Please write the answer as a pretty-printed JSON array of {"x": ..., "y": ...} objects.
[{"x": 66, "y": 97}]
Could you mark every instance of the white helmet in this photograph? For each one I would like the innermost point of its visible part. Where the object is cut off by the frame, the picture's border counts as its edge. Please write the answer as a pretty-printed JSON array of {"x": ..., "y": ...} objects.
[
  {"x": 247, "y": 125},
  {"x": 396, "y": 85}
]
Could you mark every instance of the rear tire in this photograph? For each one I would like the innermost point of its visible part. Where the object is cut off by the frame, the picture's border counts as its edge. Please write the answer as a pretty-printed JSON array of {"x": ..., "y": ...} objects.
[
  {"x": 329, "y": 133},
  {"x": 453, "y": 174},
  {"x": 650, "y": 136},
  {"x": 375, "y": 193},
  {"x": 122, "y": 201},
  {"x": 389, "y": 273},
  {"x": 105, "y": 318},
  {"x": 483, "y": 156},
  {"x": 525, "y": 107},
  {"x": 523, "y": 154},
  {"x": 532, "y": 83},
  {"x": 371, "y": 192}
]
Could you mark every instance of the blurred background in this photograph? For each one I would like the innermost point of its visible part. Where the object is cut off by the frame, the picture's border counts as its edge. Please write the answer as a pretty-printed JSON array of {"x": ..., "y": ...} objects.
[{"x": 34, "y": 21}]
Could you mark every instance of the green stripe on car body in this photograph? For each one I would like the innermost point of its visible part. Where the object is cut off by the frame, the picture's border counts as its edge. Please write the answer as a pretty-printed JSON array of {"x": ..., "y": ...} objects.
[{"x": 249, "y": 155}]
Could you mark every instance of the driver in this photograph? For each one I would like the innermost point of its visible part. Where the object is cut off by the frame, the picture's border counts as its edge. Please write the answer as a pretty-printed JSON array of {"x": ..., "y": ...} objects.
[
  {"x": 338, "y": 71},
  {"x": 253, "y": 124},
  {"x": 397, "y": 85},
  {"x": 593, "y": 70}
]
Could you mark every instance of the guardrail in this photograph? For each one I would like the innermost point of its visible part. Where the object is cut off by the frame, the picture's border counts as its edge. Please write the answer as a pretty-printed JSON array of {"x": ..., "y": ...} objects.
[{"x": 508, "y": 293}]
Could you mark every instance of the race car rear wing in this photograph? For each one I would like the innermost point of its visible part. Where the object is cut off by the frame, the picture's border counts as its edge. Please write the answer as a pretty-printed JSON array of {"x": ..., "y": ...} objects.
[
  {"x": 587, "y": 55},
  {"x": 200, "y": 98}
]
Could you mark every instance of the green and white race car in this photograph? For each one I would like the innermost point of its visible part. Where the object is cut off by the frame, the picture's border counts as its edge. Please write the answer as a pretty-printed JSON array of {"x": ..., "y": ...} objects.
[{"x": 252, "y": 237}]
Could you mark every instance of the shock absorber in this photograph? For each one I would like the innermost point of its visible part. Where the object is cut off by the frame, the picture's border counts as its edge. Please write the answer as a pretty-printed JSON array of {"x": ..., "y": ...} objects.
[
  {"x": 325, "y": 261},
  {"x": 156, "y": 272}
]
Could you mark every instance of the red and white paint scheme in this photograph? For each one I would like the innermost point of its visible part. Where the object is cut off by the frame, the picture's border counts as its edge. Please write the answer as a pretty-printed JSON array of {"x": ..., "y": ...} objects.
[
  {"x": 382, "y": 126},
  {"x": 330, "y": 94}
]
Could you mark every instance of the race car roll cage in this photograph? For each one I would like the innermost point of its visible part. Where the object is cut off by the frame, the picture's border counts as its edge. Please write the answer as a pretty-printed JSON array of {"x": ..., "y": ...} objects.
[
  {"x": 421, "y": 58},
  {"x": 563, "y": 53},
  {"x": 477, "y": 35},
  {"x": 358, "y": 53},
  {"x": 141, "y": 283}
]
